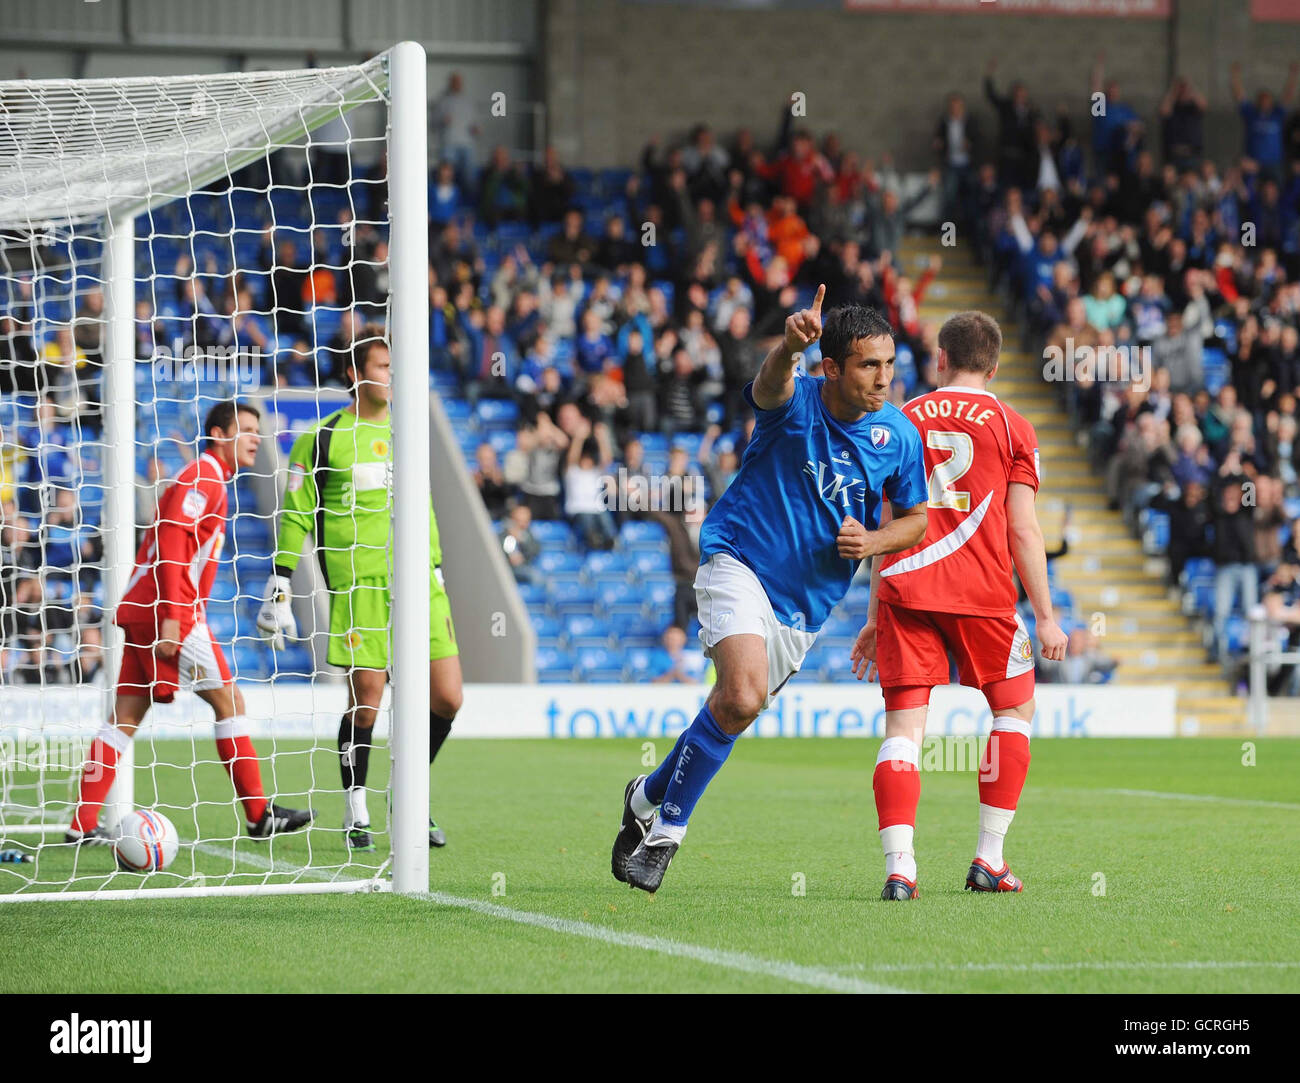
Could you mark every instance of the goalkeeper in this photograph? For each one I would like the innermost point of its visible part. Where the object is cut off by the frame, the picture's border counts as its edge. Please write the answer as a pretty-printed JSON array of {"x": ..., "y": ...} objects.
[{"x": 338, "y": 492}]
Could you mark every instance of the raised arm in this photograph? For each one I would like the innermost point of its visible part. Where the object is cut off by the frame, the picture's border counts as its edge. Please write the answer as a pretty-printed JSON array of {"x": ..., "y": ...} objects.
[
  {"x": 1029, "y": 554},
  {"x": 774, "y": 383},
  {"x": 1238, "y": 91},
  {"x": 1288, "y": 91}
]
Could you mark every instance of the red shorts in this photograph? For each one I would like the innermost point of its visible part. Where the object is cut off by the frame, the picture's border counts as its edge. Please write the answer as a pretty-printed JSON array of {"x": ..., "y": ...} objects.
[
  {"x": 993, "y": 654},
  {"x": 200, "y": 663}
]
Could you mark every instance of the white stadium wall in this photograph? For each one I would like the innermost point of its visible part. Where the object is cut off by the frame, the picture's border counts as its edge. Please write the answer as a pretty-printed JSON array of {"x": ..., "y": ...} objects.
[{"x": 651, "y": 712}]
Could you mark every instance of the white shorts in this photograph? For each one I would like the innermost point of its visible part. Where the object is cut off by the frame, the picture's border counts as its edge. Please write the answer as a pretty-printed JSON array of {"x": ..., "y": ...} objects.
[{"x": 731, "y": 602}]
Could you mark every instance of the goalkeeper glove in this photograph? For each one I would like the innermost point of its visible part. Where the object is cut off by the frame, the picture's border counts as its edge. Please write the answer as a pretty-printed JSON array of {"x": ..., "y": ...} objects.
[{"x": 275, "y": 618}]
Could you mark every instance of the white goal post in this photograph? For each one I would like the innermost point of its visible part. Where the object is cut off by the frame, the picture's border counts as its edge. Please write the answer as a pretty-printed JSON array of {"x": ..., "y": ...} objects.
[{"x": 81, "y": 161}]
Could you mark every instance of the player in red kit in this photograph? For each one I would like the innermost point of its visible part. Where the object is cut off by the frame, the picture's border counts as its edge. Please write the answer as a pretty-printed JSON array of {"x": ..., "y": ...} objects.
[
  {"x": 167, "y": 637},
  {"x": 954, "y": 593}
]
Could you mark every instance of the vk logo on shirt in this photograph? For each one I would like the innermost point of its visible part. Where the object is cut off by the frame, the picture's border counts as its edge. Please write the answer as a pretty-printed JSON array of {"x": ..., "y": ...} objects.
[{"x": 836, "y": 486}]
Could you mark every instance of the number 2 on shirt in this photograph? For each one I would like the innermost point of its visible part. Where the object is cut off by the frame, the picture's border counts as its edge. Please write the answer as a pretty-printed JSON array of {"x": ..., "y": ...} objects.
[{"x": 961, "y": 456}]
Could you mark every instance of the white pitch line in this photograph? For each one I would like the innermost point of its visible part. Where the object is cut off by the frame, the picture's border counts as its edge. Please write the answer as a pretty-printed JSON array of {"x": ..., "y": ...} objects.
[
  {"x": 1165, "y": 795},
  {"x": 816, "y": 977},
  {"x": 916, "y": 968}
]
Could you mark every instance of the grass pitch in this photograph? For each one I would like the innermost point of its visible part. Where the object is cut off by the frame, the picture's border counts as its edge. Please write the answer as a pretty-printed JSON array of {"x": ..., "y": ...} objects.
[{"x": 1150, "y": 866}]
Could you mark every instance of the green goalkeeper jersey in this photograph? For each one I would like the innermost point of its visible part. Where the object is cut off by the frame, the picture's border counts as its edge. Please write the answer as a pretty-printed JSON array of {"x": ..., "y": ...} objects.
[{"x": 340, "y": 491}]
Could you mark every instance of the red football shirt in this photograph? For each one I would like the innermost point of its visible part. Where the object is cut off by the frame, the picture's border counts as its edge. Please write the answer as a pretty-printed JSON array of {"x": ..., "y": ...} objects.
[
  {"x": 177, "y": 560},
  {"x": 975, "y": 446}
]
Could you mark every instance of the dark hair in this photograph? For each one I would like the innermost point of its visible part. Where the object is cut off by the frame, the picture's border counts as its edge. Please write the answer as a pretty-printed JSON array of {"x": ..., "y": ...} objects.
[
  {"x": 842, "y": 327},
  {"x": 972, "y": 341},
  {"x": 223, "y": 415},
  {"x": 367, "y": 339}
]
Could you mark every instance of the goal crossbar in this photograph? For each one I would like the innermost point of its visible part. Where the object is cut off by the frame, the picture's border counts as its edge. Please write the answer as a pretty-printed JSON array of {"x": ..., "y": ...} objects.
[{"x": 155, "y": 140}]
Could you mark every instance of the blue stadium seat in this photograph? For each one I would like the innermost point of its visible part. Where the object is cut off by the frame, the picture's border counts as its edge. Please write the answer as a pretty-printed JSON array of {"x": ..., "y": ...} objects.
[
  {"x": 555, "y": 676},
  {"x": 600, "y": 665},
  {"x": 553, "y": 532},
  {"x": 457, "y": 409},
  {"x": 294, "y": 661},
  {"x": 533, "y": 594},
  {"x": 222, "y": 622},
  {"x": 502, "y": 441},
  {"x": 572, "y": 597},
  {"x": 835, "y": 663},
  {"x": 691, "y": 441},
  {"x": 1062, "y": 599},
  {"x": 251, "y": 571},
  {"x": 636, "y": 531},
  {"x": 558, "y": 560},
  {"x": 645, "y": 663},
  {"x": 555, "y": 665},
  {"x": 839, "y": 625},
  {"x": 584, "y": 630},
  {"x": 620, "y": 597},
  {"x": 1155, "y": 530},
  {"x": 223, "y": 588},
  {"x": 606, "y": 565},
  {"x": 545, "y": 626},
  {"x": 658, "y": 593},
  {"x": 1237, "y": 631},
  {"x": 649, "y": 561},
  {"x": 1198, "y": 586},
  {"x": 498, "y": 412},
  {"x": 250, "y": 662},
  {"x": 636, "y": 630},
  {"x": 1215, "y": 368}
]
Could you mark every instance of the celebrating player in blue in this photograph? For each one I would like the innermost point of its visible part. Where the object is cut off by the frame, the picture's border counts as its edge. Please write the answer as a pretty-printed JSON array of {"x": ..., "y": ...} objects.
[{"x": 779, "y": 549}]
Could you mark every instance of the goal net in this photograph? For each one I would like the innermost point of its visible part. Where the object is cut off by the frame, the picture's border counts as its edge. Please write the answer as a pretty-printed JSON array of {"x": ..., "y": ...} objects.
[{"x": 167, "y": 245}]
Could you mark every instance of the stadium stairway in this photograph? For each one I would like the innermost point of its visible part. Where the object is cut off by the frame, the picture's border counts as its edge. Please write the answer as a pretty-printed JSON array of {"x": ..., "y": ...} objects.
[{"x": 1106, "y": 574}]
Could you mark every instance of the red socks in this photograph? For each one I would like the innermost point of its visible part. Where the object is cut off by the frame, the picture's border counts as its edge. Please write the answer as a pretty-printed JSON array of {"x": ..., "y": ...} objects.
[
  {"x": 237, "y": 753},
  {"x": 1005, "y": 763},
  {"x": 897, "y": 782},
  {"x": 97, "y": 776}
]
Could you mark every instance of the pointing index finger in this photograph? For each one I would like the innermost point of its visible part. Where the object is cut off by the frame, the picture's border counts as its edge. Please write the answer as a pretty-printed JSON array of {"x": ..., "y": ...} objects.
[{"x": 817, "y": 301}]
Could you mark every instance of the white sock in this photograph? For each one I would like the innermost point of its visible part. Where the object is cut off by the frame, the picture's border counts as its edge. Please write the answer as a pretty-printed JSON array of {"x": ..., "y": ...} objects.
[
  {"x": 900, "y": 859},
  {"x": 661, "y": 830},
  {"x": 113, "y": 737},
  {"x": 358, "y": 814},
  {"x": 642, "y": 807},
  {"x": 994, "y": 823}
]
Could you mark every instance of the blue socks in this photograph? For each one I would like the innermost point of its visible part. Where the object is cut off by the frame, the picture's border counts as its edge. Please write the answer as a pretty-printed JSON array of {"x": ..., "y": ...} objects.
[
  {"x": 680, "y": 781},
  {"x": 656, "y": 782}
]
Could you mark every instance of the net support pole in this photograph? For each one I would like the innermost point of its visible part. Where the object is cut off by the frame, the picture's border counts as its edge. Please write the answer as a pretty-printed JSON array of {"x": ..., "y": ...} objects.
[
  {"x": 118, "y": 395},
  {"x": 409, "y": 330}
]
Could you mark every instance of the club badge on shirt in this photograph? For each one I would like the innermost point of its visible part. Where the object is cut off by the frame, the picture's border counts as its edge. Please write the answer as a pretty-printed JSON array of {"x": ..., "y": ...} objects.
[
  {"x": 879, "y": 436},
  {"x": 193, "y": 503}
]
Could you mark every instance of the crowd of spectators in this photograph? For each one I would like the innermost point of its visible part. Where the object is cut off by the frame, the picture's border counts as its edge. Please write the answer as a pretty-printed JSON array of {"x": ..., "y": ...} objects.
[
  {"x": 603, "y": 315},
  {"x": 51, "y": 623},
  {"x": 1190, "y": 268}
]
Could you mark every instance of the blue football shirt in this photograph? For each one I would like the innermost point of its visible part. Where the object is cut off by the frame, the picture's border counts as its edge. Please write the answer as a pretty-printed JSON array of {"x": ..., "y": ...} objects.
[{"x": 802, "y": 472}]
